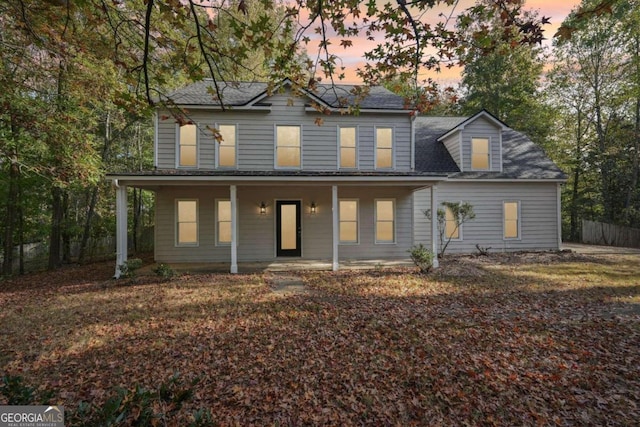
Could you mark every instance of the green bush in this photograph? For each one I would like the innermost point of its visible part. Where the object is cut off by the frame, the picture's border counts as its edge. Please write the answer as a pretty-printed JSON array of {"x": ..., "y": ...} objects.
[
  {"x": 128, "y": 269},
  {"x": 17, "y": 393},
  {"x": 164, "y": 271},
  {"x": 136, "y": 405},
  {"x": 422, "y": 257}
]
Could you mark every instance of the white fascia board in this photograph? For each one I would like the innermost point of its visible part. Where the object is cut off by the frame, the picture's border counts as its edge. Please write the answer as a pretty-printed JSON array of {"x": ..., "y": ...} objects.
[
  {"x": 473, "y": 118},
  {"x": 361, "y": 111},
  {"x": 270, "y": 180},
  {"x": 266, "y": 108},
  {"x": 537, "y": 180}
]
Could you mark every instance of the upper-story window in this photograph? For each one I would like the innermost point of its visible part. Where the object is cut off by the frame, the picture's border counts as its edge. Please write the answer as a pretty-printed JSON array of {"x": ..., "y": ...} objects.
[
  {"x": 288, "y": 147},
  {"x": 188, "y": 145},
  {"x": 384, "y": 148},
  {"x": 347, "y": 143},
  {"x": 480, "y": 153},
  {"x": 227, "y": 146}
]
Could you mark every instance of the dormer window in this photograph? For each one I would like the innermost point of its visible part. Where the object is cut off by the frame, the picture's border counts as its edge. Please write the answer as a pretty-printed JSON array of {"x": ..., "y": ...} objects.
[
  {"x": 188, "y": 146},
  {"x": 480, "y": 153}
]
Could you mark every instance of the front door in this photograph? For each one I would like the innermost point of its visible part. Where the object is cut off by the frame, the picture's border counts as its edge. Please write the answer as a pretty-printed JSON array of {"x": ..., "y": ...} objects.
[{"x": 288, "y": 230}]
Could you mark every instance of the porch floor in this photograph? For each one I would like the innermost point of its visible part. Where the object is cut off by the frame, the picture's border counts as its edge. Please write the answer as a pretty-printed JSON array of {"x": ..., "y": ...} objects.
[{"x": 289, "y": 265}]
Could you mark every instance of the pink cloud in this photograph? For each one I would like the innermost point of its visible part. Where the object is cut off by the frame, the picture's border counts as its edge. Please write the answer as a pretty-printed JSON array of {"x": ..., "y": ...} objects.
[{"x": 353, "y": 57}]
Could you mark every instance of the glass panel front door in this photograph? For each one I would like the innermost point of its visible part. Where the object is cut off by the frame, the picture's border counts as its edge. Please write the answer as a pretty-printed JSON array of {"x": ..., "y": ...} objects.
[{"x": 288, "y": 229}]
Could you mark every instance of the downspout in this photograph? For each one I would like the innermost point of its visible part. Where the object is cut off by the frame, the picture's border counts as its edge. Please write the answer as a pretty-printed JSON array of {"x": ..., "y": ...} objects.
[
  {"x": 155, "y": 140},
  {"x": 559, "y": 213}
]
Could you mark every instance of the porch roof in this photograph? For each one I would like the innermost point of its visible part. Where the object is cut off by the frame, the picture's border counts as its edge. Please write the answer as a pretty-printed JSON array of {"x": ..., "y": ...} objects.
[{"x": 179, "y": 177}]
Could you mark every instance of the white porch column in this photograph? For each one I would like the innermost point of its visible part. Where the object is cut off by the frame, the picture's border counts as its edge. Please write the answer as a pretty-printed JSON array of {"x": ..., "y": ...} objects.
[
  {"x": 121, "y": 227},
  {"x": 434, "y": 225},
  {"x": 336, "y": 232},
  {"x": 234, "y": 227}
]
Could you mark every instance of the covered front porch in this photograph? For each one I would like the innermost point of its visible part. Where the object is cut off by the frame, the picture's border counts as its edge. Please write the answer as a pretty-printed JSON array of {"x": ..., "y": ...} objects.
[
  {"x": 289, "y": 265},
  {"x": 284, "y": 223}
]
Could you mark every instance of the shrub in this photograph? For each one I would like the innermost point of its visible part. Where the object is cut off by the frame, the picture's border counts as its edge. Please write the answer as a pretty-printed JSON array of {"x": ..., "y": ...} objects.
[
  {"x": 128, "y": 269},
  {"x": 422, "y": 257},
  {"x": 17, "y": 393},
  {"x": 164, "y": 271},
  {"x": 142, "y": 407}
]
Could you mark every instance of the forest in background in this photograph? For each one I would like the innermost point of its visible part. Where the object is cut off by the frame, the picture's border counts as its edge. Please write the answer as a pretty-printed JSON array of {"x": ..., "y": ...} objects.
[{"x": 79, "y": 81}]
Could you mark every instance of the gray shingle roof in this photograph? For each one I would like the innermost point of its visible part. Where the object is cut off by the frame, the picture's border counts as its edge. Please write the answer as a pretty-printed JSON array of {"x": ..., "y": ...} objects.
[
  {"x": 522, "y": 158},
  {"x": 236, "y": 94},
  {"x": 432, "y": 155}
]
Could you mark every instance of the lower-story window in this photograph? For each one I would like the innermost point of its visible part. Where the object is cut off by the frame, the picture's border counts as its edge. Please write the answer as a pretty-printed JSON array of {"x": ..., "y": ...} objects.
[
  {"x": 385, "y": 221},
  {"x": 223, "y": 222},
  {"x": 187, "y": 222},
  {"x": 511, "y": 215},
  {"x": 451, "y": 228},
  {"x": 348, "y": 221}
]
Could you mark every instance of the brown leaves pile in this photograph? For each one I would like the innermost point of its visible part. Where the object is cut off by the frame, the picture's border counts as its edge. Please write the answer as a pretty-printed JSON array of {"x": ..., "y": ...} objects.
[{"x": 555, "y": 342}]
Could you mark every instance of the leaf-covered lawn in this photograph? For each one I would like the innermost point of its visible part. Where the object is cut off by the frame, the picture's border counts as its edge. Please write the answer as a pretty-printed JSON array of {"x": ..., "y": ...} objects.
[{"x": 484, "y": 341}]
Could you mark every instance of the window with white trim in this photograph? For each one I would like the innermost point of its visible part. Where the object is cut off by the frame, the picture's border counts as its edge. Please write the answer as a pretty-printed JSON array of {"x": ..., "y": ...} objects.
[
  {"x": 480, "y": 153},
  {"x": 227, "y": 146},
  {"x": 511, "y": 218},
  {"x": 348, "y": 147},
  {"x": 451, "y": 227},
  {"x": 223, "y": 222},
  {"x": 385, "y": 213},
  {"x": 384, "y": 148},
  {"x": 188, "y": 145},
  {"x": 288, "y": 147},
  {"x": 348, "y": 218},
  {"x": 187, "y": 222}
]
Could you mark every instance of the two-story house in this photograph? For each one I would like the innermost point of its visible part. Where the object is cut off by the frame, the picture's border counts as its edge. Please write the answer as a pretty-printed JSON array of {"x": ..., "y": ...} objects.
[{"x": 283, "y": 180}]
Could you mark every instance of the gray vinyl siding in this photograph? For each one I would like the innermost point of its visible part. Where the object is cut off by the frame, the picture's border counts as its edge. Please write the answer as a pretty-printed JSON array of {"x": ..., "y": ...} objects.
[
  {"x": 256, "y": 144},
  {"x": 482, "y": 128},
  {"x": 538, "y": 215},
  {"x": 256, "y": 233},
  {"x": 367, "y": 248},
  {"x": 453, "y": 146}
]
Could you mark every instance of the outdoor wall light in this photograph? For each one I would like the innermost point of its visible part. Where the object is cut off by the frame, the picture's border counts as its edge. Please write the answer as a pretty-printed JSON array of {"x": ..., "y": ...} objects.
[
  {"x": 313, "y": 208},
  {"x": 263, "y": 208}
]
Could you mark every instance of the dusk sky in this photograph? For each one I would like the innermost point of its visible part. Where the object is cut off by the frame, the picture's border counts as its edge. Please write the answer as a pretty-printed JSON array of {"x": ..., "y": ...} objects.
[{"x": 555, "y": 10}]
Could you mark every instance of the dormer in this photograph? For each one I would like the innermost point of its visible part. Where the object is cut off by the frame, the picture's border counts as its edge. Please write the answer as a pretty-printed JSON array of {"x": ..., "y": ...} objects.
[{"x": 476, "y": 143}]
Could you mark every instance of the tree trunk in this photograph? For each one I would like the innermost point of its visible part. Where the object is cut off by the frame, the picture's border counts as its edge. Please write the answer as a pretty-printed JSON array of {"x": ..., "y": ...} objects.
[
  {"x": 86, "y": 232},
  {"x": 635, "y": 161},
  {"x": 65, "y": 231},
  {"x": 575, "y": 190},
  {"x": 20, "y": 228},
  {"x": 10, "y": 216},
  {"x": 55, "y": 236}
]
